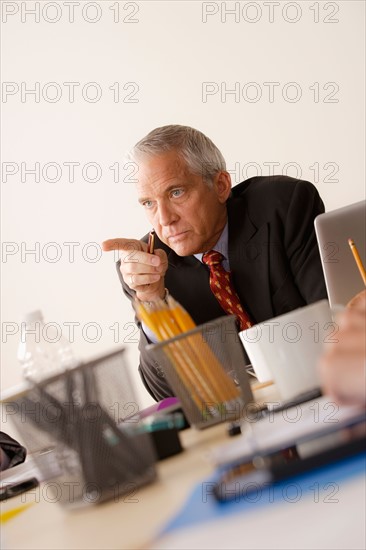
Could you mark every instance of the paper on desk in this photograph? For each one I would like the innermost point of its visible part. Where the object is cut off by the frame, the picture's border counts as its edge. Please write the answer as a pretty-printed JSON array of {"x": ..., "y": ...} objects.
[
  {"x": 261, "y": 519},
  {"x": 314, "y": 524},
  {"x": 286, "y": 428}
]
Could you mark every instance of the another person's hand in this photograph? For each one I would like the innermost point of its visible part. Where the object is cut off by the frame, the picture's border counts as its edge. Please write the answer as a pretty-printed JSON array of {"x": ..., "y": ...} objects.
[
  {"x": 142, "y": 272},
  {"x": 358, "y": 301},
  {"x": 343, "y": 363}
]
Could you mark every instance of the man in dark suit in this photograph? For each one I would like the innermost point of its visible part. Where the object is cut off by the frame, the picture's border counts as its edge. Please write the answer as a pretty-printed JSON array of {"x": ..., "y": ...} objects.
[{"x": 264, "y": 227}]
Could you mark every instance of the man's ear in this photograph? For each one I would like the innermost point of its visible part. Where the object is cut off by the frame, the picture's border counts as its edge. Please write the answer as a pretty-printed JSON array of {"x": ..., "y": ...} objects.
[{"x": 222, "y": 185}]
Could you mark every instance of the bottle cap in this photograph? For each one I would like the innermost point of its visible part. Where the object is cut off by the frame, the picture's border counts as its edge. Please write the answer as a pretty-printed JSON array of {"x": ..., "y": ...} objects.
[{"x": 33, "y": 316}]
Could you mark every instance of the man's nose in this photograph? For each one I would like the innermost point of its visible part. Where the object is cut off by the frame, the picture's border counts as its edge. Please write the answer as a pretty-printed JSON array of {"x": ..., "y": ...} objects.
[{"x": 166, "y": 214}]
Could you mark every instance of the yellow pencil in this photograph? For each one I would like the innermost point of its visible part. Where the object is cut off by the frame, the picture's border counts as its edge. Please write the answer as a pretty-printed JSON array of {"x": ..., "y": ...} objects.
[
  {"x": 204, "y": 359},
  {"x": 146, "y": 317},
  {"x": 9, "y": 514},
  {"x": 197, "y": 366},
  {"x": 358, "y": 260},
  {"x": 182, "y": 317}
]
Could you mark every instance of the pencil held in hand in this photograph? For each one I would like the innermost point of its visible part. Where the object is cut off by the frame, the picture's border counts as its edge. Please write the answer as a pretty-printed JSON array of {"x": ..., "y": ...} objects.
[
  {"x": 151, "y": 242},
  {"x": 357, "y": 260}
]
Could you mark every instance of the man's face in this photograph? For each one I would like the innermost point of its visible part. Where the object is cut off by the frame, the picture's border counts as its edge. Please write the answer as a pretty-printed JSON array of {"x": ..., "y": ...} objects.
[{"x": 185, "y": 212}]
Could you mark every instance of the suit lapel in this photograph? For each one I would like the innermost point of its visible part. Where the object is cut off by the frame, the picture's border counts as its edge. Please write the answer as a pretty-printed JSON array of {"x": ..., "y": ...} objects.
[{"x": 249, "y": 261}]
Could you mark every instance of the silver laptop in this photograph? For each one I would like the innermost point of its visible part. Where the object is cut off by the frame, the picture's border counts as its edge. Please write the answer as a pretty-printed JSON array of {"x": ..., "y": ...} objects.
[{"x": 333, "y": 229}]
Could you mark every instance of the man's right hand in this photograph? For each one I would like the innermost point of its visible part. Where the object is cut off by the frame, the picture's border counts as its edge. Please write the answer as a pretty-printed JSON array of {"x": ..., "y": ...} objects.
[{"x": 142, "y": 272}]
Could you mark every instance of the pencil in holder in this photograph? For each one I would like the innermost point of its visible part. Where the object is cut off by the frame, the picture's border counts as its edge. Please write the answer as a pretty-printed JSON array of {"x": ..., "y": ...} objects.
[{"x": 205, "y": 367}]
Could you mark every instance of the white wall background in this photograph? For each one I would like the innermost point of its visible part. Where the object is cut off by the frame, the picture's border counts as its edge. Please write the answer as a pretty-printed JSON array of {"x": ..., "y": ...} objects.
[{"x": 160, "y": 54}]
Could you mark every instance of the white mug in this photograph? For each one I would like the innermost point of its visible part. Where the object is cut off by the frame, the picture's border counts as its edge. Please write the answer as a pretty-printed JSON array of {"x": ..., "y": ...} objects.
[{"x": 285, "y": 349}]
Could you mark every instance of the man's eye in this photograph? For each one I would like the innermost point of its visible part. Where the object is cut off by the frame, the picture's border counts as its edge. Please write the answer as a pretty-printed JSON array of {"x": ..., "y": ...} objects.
[
  {"x": 147, "y": 204},
  {"x": 177, "y": 192}
]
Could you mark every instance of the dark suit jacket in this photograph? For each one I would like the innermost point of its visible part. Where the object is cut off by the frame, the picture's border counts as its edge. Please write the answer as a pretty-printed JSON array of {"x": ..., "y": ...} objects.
[
  {"x": 13, "y": 449},
  {"x": 273, "y": 255}
]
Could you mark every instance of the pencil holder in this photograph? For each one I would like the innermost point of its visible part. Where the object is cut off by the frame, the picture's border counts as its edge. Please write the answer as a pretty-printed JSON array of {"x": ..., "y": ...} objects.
[
  {"x": 205, "y": 368},
  {"x": 77, "y": 419}
]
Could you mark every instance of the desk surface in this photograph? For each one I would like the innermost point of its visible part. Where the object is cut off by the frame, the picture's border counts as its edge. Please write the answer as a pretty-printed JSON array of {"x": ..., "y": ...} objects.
[
  {"x": 135, "y": 520},
  {"x": 132, "y": 522}
]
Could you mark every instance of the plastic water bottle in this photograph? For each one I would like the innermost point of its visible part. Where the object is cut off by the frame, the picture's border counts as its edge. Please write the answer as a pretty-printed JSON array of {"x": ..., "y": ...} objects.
[{"x": 43, "y": 351}]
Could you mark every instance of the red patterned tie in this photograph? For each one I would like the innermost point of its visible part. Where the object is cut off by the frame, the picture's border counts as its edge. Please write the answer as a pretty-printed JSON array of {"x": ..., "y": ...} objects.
[{"x": 223, "y": 289}]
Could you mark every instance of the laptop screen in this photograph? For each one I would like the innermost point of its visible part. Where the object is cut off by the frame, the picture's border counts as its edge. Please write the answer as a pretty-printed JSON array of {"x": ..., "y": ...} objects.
[{"x": 333, "y": 229}]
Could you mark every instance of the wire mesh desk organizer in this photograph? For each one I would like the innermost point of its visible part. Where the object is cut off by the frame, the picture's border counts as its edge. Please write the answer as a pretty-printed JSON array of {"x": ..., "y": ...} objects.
[
  {"x": 79, "y": 415},
  {"x": 204, "y": 365}
]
